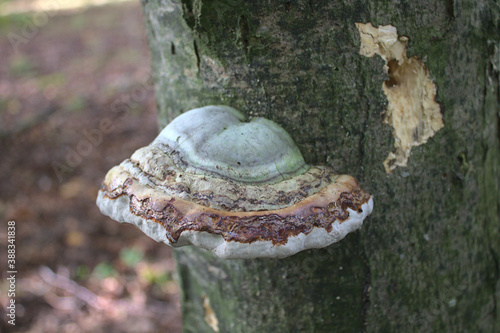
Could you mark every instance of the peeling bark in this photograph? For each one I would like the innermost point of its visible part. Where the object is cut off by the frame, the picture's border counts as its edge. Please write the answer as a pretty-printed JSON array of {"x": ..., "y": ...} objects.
[{"x": 412, "y": 109}]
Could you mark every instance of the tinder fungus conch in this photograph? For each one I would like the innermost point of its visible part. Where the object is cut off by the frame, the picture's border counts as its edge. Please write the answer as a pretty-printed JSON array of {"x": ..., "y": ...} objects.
[{"x": 238, "y": 188}]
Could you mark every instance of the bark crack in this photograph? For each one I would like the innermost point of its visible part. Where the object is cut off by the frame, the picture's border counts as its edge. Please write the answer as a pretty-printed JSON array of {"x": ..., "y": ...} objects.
[
  {"x": 197, "y": 54},
  {"x": 496, "y": 283},
  {"x": 244, "y": 33}
]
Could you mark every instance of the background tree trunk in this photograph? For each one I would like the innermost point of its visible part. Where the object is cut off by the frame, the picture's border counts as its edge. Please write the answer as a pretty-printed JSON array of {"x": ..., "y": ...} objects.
[{"x": 428, "y": 257}]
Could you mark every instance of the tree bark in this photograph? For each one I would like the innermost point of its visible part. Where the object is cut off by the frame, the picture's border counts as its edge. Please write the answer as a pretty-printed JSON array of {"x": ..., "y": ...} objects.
[{"x": 428, "y": 257}]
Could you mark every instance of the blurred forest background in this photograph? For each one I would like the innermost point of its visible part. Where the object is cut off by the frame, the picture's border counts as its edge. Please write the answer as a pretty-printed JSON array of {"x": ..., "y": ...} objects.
[{"x": 67, "y": 69}]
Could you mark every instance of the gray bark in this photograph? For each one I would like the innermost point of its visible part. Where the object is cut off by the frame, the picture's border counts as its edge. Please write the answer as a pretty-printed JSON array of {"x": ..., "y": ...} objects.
[{"x": 428, "y": 257}]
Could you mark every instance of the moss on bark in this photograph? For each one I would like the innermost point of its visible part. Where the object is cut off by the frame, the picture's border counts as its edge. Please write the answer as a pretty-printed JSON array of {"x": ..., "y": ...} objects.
[{"x": 428, "y": 257}]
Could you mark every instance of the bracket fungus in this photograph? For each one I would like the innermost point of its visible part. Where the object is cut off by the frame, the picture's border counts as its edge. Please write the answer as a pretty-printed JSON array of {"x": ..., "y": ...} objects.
[{"x": 240, "y": 189}]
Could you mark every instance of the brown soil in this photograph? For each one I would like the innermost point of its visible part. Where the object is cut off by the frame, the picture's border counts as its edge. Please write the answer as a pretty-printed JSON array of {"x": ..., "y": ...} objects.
[{"x": 77, "y": 270}]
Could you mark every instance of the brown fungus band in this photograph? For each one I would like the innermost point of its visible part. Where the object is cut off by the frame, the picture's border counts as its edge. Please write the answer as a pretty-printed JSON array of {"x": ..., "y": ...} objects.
[{"x": 240, "y": 189}]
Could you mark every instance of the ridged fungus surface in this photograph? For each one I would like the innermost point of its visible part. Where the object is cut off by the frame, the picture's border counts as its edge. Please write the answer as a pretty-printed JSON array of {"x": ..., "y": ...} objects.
[{"x": 240, "y": 189}]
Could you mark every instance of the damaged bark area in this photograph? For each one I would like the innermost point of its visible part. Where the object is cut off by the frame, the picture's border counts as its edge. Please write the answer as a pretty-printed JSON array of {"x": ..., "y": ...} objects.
[{"x": 412, "y": 110}]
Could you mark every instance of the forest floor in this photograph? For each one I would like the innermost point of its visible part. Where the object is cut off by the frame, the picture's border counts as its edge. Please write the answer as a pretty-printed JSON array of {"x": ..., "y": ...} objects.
[{"x": 64, "y": 77}]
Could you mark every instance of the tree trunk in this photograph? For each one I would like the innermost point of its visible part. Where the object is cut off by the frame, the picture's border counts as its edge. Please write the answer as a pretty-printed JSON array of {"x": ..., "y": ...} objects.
[{"x": 428, "y": 257}]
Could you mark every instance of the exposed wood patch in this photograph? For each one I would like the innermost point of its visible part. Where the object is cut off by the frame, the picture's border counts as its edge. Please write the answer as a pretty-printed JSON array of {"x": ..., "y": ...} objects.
[
  {"x": 412, "y": 110},
  {"x": 210, "y": 317}
]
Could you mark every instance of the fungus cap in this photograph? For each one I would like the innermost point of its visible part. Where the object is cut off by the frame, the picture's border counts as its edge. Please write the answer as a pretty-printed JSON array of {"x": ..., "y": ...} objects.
[{"x": 240, "y": 189}]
